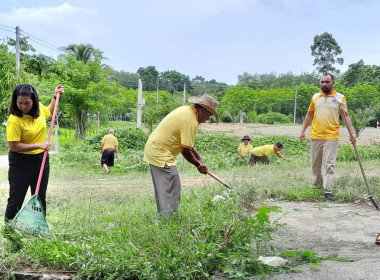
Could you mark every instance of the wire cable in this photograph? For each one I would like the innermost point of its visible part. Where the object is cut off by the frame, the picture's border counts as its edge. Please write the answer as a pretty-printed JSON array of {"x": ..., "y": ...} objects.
[{"x": 42, "y": 42}]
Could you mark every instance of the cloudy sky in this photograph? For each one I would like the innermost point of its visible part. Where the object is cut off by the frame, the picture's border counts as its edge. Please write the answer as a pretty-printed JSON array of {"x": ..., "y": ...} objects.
[{"x": 216, "y": 39}]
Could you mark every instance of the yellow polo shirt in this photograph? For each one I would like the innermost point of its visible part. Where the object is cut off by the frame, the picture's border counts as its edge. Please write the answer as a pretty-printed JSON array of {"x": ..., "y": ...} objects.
[
  {"x": 245, "y": 149},
  {"x": 110, "y": 142},
  {"x": 177, "y": 129},
  {"x": 266, "y": 150},
  {"x": 326, "y": 108},
  {"x": 27, "y": 130}
]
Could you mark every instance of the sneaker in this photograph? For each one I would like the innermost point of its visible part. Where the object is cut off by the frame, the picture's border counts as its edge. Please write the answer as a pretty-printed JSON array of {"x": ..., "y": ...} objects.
[
  {"x": 329, "y": 196},
  {"x": 109, "y": 171}
]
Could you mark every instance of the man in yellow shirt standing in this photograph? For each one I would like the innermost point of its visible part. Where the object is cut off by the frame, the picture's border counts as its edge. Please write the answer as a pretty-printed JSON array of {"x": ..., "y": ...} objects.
[
  {"x": 323, "y": 114},
  {"x": 245, "y": 148},
  {"x": 262, "y": 153},
  {"x": 109, "y": 148},
  {"x": 175, "y": 134}
]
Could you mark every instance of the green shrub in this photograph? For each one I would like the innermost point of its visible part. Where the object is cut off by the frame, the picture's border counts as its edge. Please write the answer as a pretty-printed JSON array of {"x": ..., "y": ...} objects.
[
  {"x": 128, "y": 138},
  {"x": 273, "y": 117},
  {"x": 347, "y": 153},
  {"x": 4, "y": 148}
]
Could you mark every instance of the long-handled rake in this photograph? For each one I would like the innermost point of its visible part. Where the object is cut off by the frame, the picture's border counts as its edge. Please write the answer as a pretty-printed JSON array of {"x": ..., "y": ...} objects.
[
  {"x": 31, "y": 218},
  {"x": 369, "y": 193},
  {"x": 219, "y": 180}
]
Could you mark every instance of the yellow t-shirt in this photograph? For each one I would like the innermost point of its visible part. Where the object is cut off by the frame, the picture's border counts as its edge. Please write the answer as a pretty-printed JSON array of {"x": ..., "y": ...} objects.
[
  {"x": 245, "y": 149},
  {"x": 264, "y": 150},
  {"x": 325, "y": 124},
  {"x": 177, "y": 129},
  {"x": 110, "y": 142},
  {"x": 27, "y": 130}
]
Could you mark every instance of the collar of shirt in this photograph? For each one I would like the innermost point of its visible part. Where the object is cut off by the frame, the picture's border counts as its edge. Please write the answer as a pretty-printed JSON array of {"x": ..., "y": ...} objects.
[{"x": 333, "y": 94}]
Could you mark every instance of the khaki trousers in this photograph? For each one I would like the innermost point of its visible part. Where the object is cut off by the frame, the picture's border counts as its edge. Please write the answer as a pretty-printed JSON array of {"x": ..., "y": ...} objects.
[
  {"x": 323, "y": 150},
  {"x": 167, "y": 189}
]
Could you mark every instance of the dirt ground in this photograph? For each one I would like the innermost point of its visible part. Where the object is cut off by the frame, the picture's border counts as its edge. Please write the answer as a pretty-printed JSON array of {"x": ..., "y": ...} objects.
[
  {"x": 368, "y": 136},
  {"x": 348, "y": 230}
]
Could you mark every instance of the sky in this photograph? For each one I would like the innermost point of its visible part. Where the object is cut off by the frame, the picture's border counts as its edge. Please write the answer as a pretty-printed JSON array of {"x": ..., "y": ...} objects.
[{"x": 215, "y": 39}]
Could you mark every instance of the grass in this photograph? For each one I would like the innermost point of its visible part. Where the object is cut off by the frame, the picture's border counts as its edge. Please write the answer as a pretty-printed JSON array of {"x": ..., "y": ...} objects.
[
  {"x": 126, "y": 240},
  {"x": 106, "y": 227}
]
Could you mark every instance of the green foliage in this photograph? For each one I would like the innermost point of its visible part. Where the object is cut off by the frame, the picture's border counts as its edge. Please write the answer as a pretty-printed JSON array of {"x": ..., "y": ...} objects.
[
  {"x": 274, "y": 80},
  {"x": 311, "y": 258},
  {"x": 325, "y": 51},
  {"x": 82, "y": 52},
  {"x": 7, "y": 80},
  {"x": 126, "y": 79},
  {"x": 200, "y": 86},
  {"x": 362, "y": 117},
  {"x": 346, "y": 152},
  {"x": 103, "y": 240},
  {"x": 128, "y": 139},
  {"x": 361, "y": 95},
  {"x": 174, "y": 81},
  {"x": 3, "y": 140},
  {"x": 272, "y": 118},
  {"x": 149, "y": 77},
  {"x": 359, "y": 73}
]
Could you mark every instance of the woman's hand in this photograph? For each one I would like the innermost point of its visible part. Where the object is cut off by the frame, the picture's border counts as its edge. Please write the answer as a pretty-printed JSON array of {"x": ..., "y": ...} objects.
[
  {"x": 46, "y": 145},
  {"x": 59, "y": 91}
]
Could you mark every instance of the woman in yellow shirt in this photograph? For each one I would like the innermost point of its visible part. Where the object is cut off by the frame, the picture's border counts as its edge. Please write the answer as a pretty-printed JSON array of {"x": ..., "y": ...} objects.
[
  {"x": 245, "y": 148},
  {"x": 26, "y": 130}
]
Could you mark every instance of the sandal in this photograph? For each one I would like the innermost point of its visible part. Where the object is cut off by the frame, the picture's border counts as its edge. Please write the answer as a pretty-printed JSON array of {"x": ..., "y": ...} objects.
[{"x": 377, "y": 241}]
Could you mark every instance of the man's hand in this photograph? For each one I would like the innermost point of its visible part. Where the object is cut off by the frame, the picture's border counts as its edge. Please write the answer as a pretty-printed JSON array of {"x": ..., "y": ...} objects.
[
  {"x": 302, "y": 136},
  {"x": 352, "y": 138},
  {"x": 203, "y": 169}
]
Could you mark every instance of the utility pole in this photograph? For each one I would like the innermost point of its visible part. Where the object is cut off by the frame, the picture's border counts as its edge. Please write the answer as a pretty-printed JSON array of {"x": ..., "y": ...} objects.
[
  {"x": 140, "y": 104},
  {"x": 17, "y": 50},
  {"x": 295, "y": 105}
]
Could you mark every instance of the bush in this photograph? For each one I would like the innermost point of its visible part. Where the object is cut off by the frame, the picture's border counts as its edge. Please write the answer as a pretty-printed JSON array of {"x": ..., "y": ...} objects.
[
  {"x": 273, "y": 117},
  {"x": 128, "y": 138},
  {"x": 4, "y": 148}
]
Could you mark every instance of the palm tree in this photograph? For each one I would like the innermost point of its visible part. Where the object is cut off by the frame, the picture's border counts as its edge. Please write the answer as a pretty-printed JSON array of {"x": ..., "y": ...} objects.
[{"x": 84, "y": 52}]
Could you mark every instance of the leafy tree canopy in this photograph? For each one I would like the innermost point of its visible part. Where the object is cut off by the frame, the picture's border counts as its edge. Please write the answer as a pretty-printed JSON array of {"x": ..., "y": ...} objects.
[{"x": 325, "y": 51}]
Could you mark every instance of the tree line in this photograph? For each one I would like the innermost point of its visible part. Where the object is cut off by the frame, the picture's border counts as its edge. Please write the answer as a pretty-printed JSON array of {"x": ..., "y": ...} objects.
[{"x": 93, "y": 88}]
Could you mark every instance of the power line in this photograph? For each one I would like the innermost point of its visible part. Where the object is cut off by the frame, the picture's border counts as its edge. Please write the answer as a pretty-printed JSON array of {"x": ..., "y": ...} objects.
[
  {"x": 42, "y": 42},
  {"x": 33, "y": 39},
  {"x": 11, "y": 31}
]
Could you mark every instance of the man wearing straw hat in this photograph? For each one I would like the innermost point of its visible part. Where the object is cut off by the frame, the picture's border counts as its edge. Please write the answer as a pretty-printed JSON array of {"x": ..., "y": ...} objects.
[{"x": 175, "y": 134}]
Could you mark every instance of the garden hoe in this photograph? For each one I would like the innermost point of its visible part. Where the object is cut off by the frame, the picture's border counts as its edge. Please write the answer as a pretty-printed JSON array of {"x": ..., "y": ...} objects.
[
  {"x": 31, "y": 218},
  {"x": 219, "y": 180},
  {"x": 369, "y": 193}
]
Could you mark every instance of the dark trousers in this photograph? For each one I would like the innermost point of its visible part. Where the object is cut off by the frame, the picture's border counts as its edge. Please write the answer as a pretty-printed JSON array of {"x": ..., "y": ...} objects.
[
  {"x": 23, "y": 172},
  {"x": 255, "y": 159},
  {"x": 108, "y": 157}
]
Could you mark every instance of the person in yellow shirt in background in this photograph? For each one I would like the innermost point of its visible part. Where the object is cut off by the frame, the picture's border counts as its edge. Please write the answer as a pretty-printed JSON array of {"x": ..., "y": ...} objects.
[
  {"x": 26, "y": 132},
  {"x": 109, "y": 149},
  {"x": 262, "y": 153},
  {"x": 245, "y": 148},
  {"x": 175, "y": 134}
]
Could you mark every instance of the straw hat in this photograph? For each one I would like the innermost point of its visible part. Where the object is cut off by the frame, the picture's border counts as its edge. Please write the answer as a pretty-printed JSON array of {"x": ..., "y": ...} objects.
[{"x": 207, "y": 102}]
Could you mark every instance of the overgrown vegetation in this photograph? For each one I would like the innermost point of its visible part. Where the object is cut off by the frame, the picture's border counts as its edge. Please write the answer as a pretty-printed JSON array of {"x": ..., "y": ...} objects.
[{"x": 107, "y": 227}]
